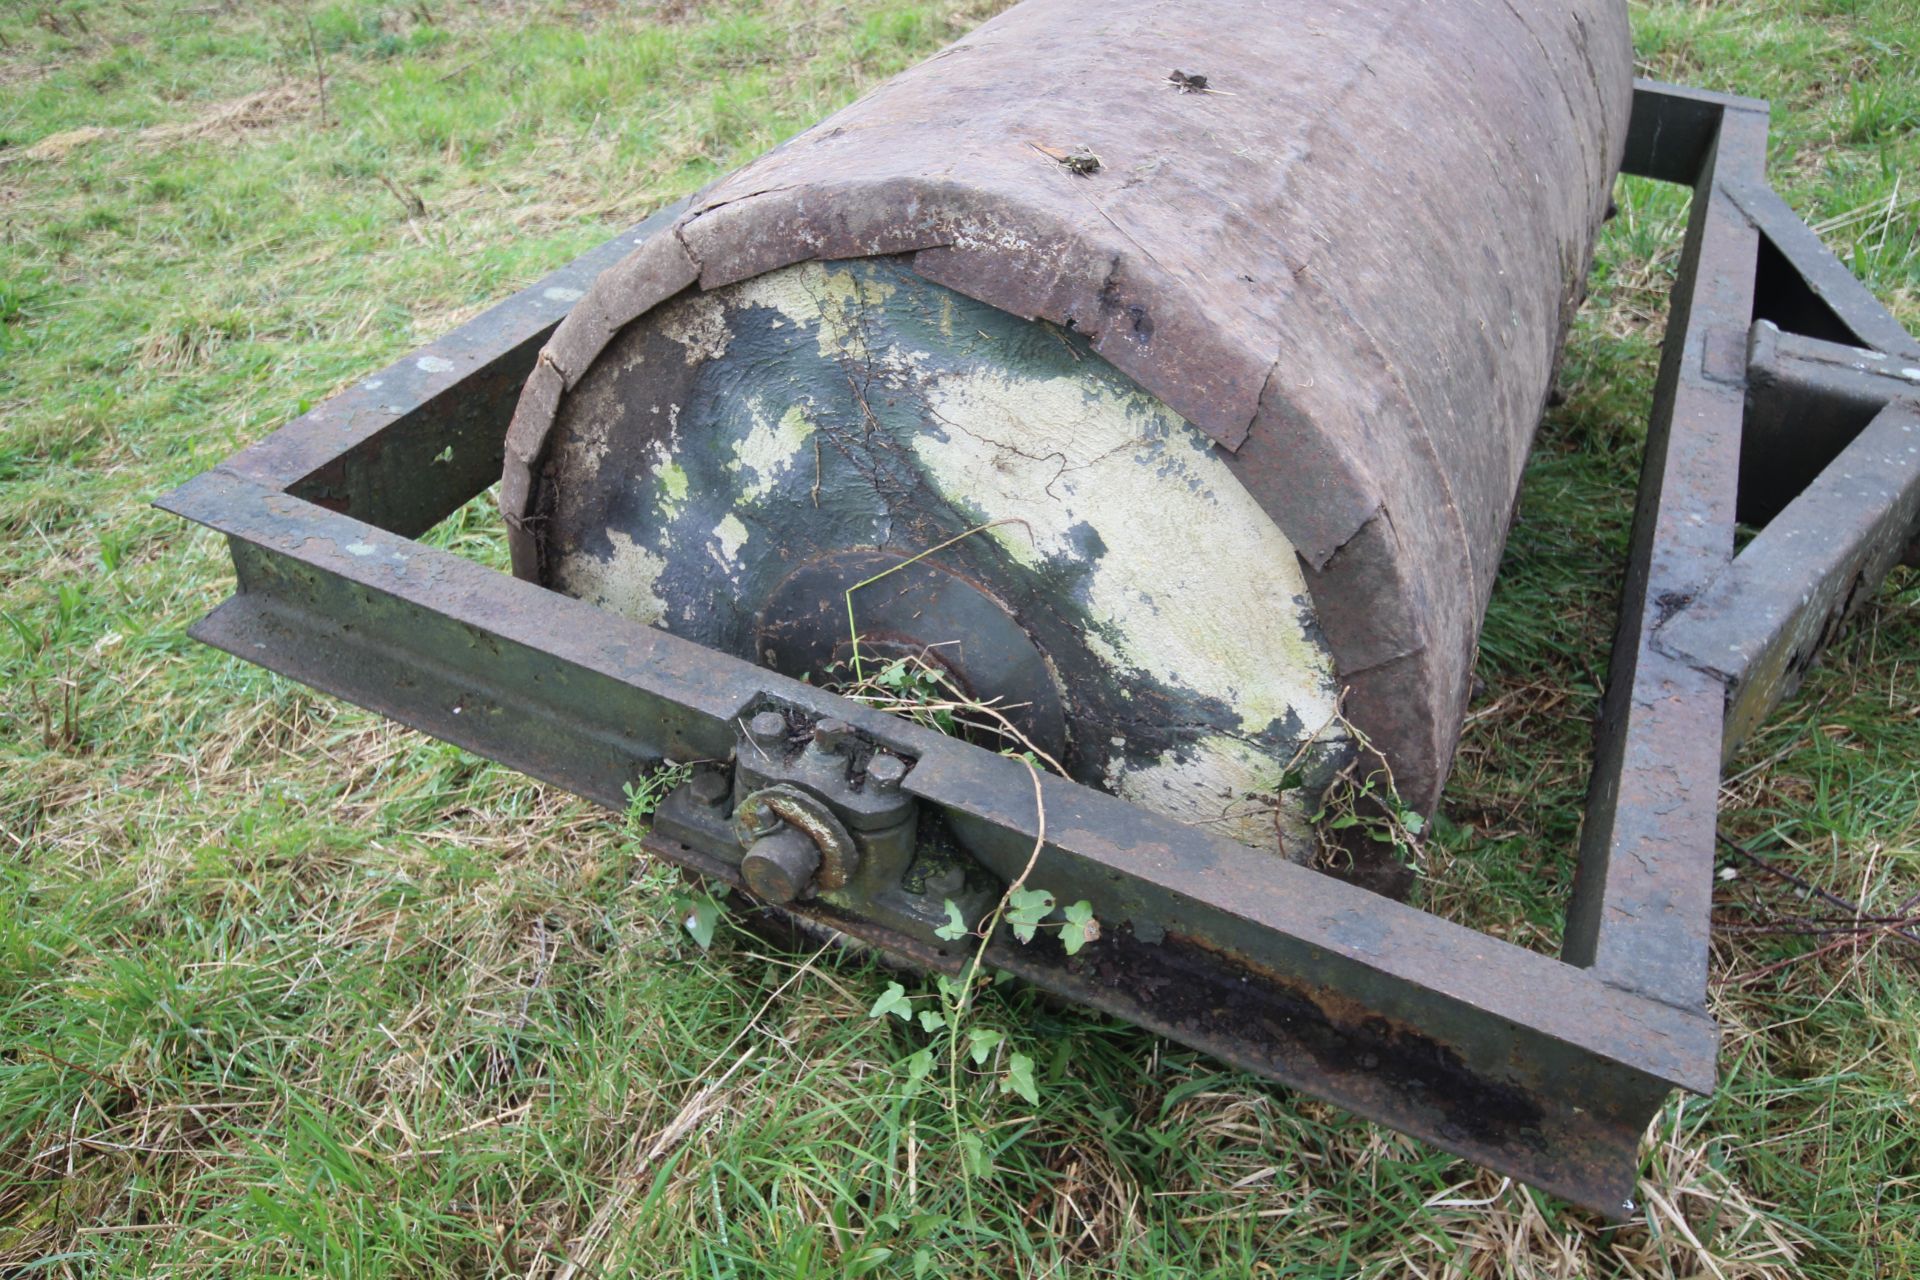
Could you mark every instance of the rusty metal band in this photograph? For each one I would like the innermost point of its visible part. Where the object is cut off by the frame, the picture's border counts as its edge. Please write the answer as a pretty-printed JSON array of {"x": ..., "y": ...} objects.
[{"x": 1375, "y": 397}]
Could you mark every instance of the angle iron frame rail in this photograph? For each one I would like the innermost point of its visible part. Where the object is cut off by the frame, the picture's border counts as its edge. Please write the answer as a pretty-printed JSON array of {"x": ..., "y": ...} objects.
[{"x": 1547, "y": 1069}]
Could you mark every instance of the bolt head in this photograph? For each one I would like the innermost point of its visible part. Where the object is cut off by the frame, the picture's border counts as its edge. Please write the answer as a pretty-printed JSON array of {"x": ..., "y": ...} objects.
[
  {"x": 767, "y": 729},
  {"x": 780, "y": 866},
  {"x": 885, "y": 773},
  {"x": 948, "y": 880},
  {"x": 710, "y": 788},
  {"x": 830, "y": 735}
]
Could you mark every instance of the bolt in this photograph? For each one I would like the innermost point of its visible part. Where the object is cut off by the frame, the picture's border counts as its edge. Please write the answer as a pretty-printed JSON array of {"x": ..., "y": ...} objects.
[
  {"x": 828, "y": 735},
  {"x": 884, "y": 772},
  {"x": 780, "y": 866},
  {"x": 948, "y": 880},
  {"x": 710, "y": 789},
  {"x": 768, "y": 729}
]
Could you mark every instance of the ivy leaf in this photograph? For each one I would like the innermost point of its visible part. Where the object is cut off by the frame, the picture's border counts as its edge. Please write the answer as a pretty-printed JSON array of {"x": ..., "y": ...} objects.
[
  {"x": 956, "y": 926},
  {"x": 892, "y": 1001},
  {"x": 1019, "y": 1078},
  {"x": 1029, "y": 900},
  {"x": 1412, "y": 821},
  {"x": 981, "y": 1042},
  {"x": 1026, "y": 908},
  {"x": 1080, "y": 928},
  {"x": 919, "y": 1065},
  {"x": 931, "y": 1021},
  {"x": 974, "y": 1153},
  {"x": 950, "y": 988}
]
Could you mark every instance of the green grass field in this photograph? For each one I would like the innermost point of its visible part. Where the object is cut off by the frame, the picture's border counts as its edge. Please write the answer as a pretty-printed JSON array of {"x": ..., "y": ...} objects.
[{"x": 285, "y": 989}]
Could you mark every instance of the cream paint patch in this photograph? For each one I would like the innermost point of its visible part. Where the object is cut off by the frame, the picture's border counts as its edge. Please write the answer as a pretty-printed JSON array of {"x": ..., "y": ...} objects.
[
  {"x": 673, "y": 485},
  {"x": 699, "y": 325},
  {"x": 833, "y": 303},
  {"x": 1224, "y": 786},
  {"x": 770, "y": 448},
  {"x": 626, "y": 583},
  {"x": 730, "y": 535},
  {"x": 1060, "y": 456}
]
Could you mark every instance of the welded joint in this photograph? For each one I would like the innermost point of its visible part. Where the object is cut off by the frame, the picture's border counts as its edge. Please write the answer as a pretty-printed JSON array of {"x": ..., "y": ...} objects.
[
  {"x": 1776, "y": 357},
  {"x": 1844, "y": 517},
  {"x": 1764, "y": 620}
]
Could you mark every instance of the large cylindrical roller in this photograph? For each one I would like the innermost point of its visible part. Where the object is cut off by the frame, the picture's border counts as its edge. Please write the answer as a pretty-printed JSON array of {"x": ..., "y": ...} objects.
[{"x": 1232, "y": 372}]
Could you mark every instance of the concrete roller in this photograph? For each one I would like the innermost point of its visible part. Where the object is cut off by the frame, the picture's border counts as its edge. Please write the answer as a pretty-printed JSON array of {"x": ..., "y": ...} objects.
[{"x": 1237, "y": 366}]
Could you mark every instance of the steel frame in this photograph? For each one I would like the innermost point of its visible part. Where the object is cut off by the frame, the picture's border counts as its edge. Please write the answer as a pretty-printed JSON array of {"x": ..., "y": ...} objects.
[{"x": 1547, "y": 1069}]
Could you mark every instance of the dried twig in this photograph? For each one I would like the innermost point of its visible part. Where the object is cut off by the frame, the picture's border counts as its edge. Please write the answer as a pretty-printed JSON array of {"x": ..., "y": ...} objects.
[
  {"x": 579, "y": 1258},
  {"x": 853, "y": 628},
  {"x": 1853, "y": 909},
  {"x": 409, "y": 198},
  {"x": 629, "y": 1180},
  {"x": 1856, "y": 938},
  {"x": 319, "y": 67}
]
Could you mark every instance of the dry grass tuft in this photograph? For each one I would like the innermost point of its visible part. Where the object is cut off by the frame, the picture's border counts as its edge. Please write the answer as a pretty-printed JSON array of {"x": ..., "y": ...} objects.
[
  {"x": 266, "y": 109},
  {"x": 57, "y": 146},
  {"x": 1697, "y": 1219},
  {"x": 175, "y": 349}
]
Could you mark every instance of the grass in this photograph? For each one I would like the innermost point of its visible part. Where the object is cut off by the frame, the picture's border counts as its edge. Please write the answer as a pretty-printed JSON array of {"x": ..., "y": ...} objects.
[{"x": 287, "y": 990}]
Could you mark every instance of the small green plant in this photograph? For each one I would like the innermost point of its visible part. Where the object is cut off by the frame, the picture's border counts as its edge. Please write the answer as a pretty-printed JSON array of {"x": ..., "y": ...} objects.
[
  {"x": 1027, "y": 912},
  {"x": 950, "y": 1007},
  {"x": 916, "y": 688},
  {"x": 919, "y": 690},
  {"x": 645, "y": 794},
  {"x": 1369, "y": 804},
  {"x": 1880, "y": 111},
  {"x": 697, "y": 909}
]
